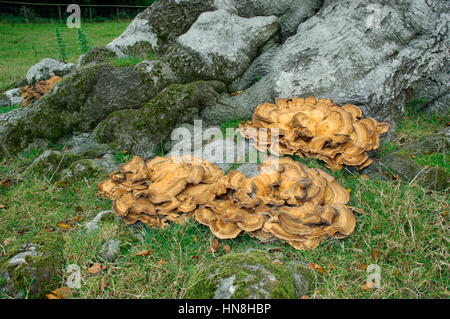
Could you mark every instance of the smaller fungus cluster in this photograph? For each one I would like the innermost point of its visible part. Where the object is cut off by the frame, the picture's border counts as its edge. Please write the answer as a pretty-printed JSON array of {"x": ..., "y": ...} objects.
[
  {"x": 285, "y": 200},
  {"x": 34, "y": 92},
  {"x": 309, "y": 127}
]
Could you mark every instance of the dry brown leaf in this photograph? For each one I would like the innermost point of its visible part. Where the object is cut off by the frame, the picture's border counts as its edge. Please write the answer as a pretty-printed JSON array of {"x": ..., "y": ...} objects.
[
  {"x": 330, "y": 266},
  {"x": 63, "y": 225},
  {"x": 60, "y": 293},
  {"x": 365, "y": 176},
  {"x": 363, "y": 266},
  {"x": 195, "y": 239},
  {"x": 339, "y": 287},
  {"x": 368, "y": 286},
  {"x": 161, "y": 262},
  {"x": 314, "y": 266},
  {"x": 304, "y": 297},
  {"x": 144, "y": 252},
  {"x": 79, "y": 209},
  {"x": 2, "y": 206},
  {"x": 375, "y": 254},
  {"x": 103, "y": 283},
  {"x": 96, "y": 268},
  {"x": 377, "y": 227},
  {"x": 78, "y": 218},
  {"x": 236, "y": 93},
  {"x": 7, "y": 241},
  {"x": 227, "y": 248}
]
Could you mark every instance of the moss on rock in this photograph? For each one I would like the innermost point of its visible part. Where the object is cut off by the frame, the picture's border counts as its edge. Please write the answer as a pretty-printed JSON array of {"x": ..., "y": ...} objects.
[
  {"x": 96, "y": 55},
  {"x": 142, "y": 131},
  {"x": 246, "y": 275},
  {"x": 40, "y": 273}
]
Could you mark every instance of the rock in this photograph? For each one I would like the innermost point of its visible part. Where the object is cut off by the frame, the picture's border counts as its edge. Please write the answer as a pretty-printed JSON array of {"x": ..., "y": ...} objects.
[
  {"x": 292, "y": 13},
  {"x": 142, "y": 131},
  {"x": 401, "y": 163},
  {"x": 10, "y": 97},
  {"x": 50, "y": 163},
  {"x": 158, "y": 26},
  {"x": 250, "y": 275},
  {"x": 226, "y": 153},
  {"x": 34, "y": 271},
  {"x": 110, "y": 249},
  {"x": 92, "y": 225},
  {"x": 365, "y": 59},
  {"x": 46, "y": 68},
  {"x": 14, "y": 85},
  {"x": 221, "y": 45},
  {"x": 81, "y": 100},
  {"x": 20, "y": 258},
  {"x": 96, "y": 55},
  {"x": 89, "y": 167}
]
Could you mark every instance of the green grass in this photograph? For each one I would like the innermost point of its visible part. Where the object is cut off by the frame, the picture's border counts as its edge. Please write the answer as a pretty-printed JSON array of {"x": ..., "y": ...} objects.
[
  {"x": 6, "y": 109},
  {"x": 406, "y": 225},
  {"x": 22, "y": 45}
]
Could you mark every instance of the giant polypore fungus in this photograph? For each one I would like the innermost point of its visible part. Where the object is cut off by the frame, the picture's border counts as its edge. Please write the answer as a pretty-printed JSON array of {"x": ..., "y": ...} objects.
[
  {"x": 34, "y": 92},
  {"x": 160, "y": 189},
  {"x": 285, "y": 200},
  {"x": 309, "y": 127}
]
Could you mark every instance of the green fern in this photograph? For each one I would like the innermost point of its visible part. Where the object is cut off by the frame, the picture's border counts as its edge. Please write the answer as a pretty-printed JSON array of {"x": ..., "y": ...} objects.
[
  {"x": 62, "y": 56},
  {"x": 82, "y": 41}
]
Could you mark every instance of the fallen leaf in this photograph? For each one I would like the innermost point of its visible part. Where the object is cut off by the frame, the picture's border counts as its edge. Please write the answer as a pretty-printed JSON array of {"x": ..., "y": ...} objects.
[
  {"x": 317, "y": 267},
  {"x": 6, "y": 182},
  {"x": 103, "y": 283},
  {"x": 63, "y": 225},
  {"x": 161, "y": 262},
  {"x": 236, "y": 93},
  {"x": 426, "y": 153},
  {"x": 96, "y": 268},
  {"x": 375, "y": 254},
  {"x": 195, "y": 257},
  {"x": 365, "y": 176},
  {"x": 339, "y": 287},
  {"x": 144, "y": 252},
  {"x": 444, "y": 214},
  {"x": 214, "y": 245},
  {"x": 78, "y": 219},
  {"x": 227, "y": 248},
  {"x": 396, "y": 272},
  {"x": 304, "y": 297},
  {"x": 368, "y": 286},
  {"x": 2, "y": 206},
  {"x": 61, "y": 184},
  {"x": 79, "y": 209},
  {"x": 377, "y": 227},
  {"x": 60, "y": 293},
  {"x": 195, "y": 239},
  {"x": 330, "y": 266},
  {"x": 363, "y": 266},
  {"x": 7, "y": 241},
  {"x": 413, "y": 155},
  {"x": 124, "y": 151}
]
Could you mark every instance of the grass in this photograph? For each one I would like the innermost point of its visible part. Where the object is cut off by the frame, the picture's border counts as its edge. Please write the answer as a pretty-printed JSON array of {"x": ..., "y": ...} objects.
[
  {"x": 401, "y": 228},
  {"x": 23, "y": 45},
  {"x": 6, "y": 109}
]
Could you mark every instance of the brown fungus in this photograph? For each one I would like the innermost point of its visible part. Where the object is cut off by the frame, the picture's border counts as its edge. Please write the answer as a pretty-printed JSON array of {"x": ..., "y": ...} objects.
[{"x": 316, "y": 128}]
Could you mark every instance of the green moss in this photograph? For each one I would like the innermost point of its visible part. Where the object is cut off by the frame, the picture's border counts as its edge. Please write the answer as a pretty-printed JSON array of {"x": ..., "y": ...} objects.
[
  {"x": 252, "y": 274},
  {"x": 41, "y": 273}
]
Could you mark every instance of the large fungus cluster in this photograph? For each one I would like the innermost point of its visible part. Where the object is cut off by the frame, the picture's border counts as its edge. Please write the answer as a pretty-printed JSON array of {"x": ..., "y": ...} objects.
[
  {"x": 34, "y": 92},
  {"x": 285, "y": 200},
  {"x": 309, "y": 127},
  {"x": 161, "y": 189}
]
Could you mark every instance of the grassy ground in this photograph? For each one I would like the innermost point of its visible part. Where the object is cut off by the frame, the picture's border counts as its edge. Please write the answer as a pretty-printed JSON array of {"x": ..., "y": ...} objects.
[
  {"x": 22, "y": 45},
  {"x": 401, "y": 228}
]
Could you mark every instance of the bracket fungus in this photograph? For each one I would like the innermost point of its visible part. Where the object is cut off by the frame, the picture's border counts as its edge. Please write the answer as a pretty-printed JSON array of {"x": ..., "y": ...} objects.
[
  {"x": 309, "y": 127},
  {"x": 30, "y": 93},
  {"x": 286, "y": 200}
]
